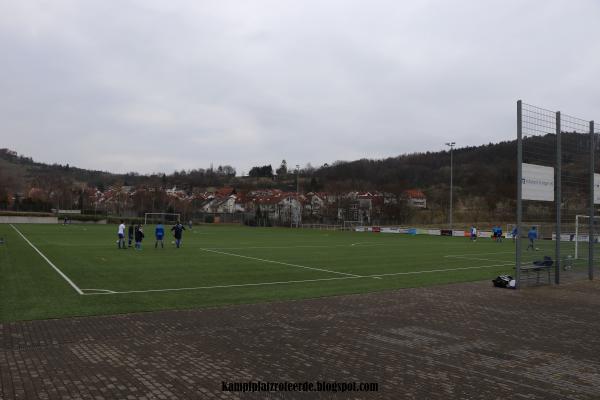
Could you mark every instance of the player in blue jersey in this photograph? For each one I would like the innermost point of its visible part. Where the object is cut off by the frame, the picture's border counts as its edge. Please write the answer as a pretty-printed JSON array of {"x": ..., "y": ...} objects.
[
  {"x": 515, "y": 233},
  {"x": 532, "y": 235},
  {"x": 159, "y": 232},
  {"x": 499, "y": 234}
]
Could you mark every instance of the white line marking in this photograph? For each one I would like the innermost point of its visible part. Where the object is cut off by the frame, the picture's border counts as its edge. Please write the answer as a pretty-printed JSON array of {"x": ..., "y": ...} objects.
[
  {"x": 288, "y": 247},
  {"x": 473, "y": 258},
  {"x": 98, "y": 290},
  {"x": 440, "y": 270},
  {"x": 281, "y": 263},
  {"x": 481, "y": 254},
  {"x": 378, "y": 276},
  {"x": 221, "y": 286},
  {"x": 65, "y": 277},
  {"x": 368, "y": 244}
]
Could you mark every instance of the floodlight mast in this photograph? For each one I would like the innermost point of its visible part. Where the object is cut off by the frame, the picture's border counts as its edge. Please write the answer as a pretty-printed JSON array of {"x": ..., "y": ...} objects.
[
  {"x": 451, "y": 145},
  {"x": 297, "y": 199}
]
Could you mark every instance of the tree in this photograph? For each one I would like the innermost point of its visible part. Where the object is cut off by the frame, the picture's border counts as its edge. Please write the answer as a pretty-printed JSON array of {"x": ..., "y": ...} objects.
[
  {"x": 282, "y": 170},
  {"x": 3, "y": 201},
  {"x": 264, "y": 171},
  {"x": 226, "y": 170},
  {"x": 80, "y": 200},
  {"x": 314, "y": 186},
  {"x": 17, "y": 202}
]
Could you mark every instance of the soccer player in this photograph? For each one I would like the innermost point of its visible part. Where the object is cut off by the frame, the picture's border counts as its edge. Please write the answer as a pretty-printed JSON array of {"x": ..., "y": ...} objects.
[
  {"x": 473, "y": 233},
  {"x": 178, "y": 233},
  {"x": 499, "y": 234},
  {"x": 532, "y": 235},
  {"x": 515, "y": 233},
  {"x": 139, "y": 236},
  {"x": 159, "y": 232},
  {"x": 130, "y": 234},
  {"x": 121, "y": 235}
]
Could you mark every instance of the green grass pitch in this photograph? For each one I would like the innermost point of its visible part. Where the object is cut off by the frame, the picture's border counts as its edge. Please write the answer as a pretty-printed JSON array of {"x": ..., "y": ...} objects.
[{"x": 219, "y": 265}]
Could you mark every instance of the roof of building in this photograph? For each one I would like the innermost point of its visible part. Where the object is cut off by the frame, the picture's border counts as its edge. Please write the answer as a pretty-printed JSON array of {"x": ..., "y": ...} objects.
[{"x": 414, "y": 194}]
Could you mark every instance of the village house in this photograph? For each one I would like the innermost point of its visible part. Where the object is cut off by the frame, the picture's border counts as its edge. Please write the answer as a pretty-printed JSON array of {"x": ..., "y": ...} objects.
[{"x": 415, "y": 198}]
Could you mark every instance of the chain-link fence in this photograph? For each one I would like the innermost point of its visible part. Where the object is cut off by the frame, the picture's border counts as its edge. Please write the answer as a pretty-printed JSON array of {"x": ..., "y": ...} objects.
[{"x": 557, "y": 229}]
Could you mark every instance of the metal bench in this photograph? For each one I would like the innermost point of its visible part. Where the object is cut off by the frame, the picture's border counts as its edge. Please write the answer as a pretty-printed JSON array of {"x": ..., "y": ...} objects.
[{"x": 538, "y": 267}]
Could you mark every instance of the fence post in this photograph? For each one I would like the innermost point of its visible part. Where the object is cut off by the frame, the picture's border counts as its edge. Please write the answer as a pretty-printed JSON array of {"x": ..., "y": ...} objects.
[
  {"x": 519, "y": 192},
  {"x": 557, "y": 198},
  {"x": 591, "y": 211}
]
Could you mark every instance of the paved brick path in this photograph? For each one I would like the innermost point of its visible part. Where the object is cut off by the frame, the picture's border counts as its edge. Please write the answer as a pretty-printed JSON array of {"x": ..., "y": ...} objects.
[{"x": 449, "y": 342}]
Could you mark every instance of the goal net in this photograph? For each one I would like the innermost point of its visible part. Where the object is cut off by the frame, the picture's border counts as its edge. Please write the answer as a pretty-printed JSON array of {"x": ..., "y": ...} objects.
[
  {"x": 162, "y": 218},
  {"x": 582, "y": 234}
]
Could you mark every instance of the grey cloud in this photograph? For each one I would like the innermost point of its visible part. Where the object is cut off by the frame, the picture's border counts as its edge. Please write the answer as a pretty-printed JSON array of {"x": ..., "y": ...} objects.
[{"x": 157, "y": 86}]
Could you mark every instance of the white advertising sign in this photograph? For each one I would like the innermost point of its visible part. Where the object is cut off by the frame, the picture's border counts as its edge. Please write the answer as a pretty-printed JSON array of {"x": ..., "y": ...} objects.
[
  {"x": 596, "y": 188},
  {"x": 537, "y": 182}
]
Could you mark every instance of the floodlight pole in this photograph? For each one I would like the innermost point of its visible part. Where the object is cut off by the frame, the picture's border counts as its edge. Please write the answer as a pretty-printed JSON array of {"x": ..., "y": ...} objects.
[{"x": 451, "y": 145}]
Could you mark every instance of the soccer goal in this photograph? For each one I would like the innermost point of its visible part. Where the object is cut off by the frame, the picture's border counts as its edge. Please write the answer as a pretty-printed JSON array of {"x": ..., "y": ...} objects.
[
  {"x": 582, "y": 233},
  {"x": 163, "y": 218}
]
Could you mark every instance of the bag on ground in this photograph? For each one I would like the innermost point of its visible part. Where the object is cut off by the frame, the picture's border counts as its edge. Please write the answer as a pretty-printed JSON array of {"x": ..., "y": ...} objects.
[{"x": 503, "y": 281}]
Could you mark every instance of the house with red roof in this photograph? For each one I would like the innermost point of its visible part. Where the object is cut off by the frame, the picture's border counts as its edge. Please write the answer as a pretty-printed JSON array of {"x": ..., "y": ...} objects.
[{"x": 415, "y": 198}]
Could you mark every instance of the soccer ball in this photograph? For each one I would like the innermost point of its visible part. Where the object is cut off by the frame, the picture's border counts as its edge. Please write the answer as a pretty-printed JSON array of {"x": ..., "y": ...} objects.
[
  {"x": 173, "y": 242},
  {"x": 117, "y": 241}
]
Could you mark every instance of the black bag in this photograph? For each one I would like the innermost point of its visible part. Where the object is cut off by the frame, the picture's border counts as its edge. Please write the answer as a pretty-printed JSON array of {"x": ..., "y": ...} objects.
[
  {"x": 546, "y": 262},
  {"x": 502, "y": 281}
]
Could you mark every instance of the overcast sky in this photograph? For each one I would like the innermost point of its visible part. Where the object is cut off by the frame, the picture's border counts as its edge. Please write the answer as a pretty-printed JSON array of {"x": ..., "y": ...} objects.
[{"x": 154, "y": 86}]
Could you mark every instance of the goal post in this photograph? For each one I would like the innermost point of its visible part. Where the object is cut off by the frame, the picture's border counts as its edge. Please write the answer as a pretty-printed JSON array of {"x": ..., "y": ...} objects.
[
  {"x": 161, "y": 218},
  {"x": 582, "y": 232}
]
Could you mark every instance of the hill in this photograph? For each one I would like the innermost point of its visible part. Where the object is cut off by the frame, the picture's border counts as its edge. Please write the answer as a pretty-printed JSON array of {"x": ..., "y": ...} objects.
[{"x": 484, "y": 177}]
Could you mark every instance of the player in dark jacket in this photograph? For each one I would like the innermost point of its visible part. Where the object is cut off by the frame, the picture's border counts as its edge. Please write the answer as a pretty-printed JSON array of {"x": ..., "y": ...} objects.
[
  {"x": 130, "y": 234},
  {"x": 178, "y": 233},
  {"x": 139, "y": 236}
]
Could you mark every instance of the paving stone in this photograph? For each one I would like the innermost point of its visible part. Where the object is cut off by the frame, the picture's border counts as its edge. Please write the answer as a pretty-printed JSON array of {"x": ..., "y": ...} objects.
[{"x": 461, "y": 341}]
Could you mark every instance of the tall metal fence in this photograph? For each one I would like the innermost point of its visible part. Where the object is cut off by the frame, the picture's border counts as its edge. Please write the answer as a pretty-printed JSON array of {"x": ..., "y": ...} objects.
[{"x": 557, "y": 218}]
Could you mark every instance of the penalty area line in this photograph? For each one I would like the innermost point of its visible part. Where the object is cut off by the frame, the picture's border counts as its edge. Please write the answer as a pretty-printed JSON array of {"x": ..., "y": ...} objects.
[
  {"x": 105, "y": 291},
  {"x": 65, "y": 277},
  {"x": 281, "y": 263},
  {"x": 102, "y": 292},
  {"x": 429, "y": 271},
  {"x": 480, "y": 254},
  {"x": 472, "y": 258}
]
